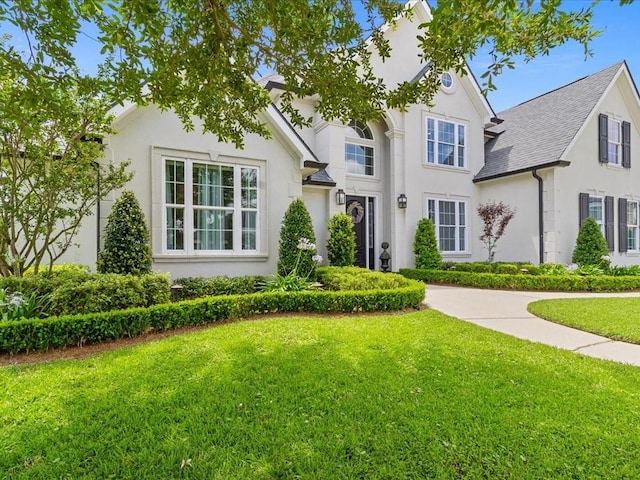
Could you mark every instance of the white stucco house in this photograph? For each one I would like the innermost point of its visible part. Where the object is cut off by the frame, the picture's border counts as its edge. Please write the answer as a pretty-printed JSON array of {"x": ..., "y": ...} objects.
[{"x": 214, "y": 209}]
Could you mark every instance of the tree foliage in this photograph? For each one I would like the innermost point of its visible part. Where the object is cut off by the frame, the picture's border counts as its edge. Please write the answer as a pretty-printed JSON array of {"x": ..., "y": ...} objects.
[
  {"x": 49, "y": 173},
  {"x": 199, "y": 58},
  {"x": 127, "y": 243},
  {"x": 591, "y": 246},
  {"x": 425, "y": 245},
  {"x": 341, "y": 245},
  {"x": 296, "y": 225},
  {"x": 495, "y": 218}
]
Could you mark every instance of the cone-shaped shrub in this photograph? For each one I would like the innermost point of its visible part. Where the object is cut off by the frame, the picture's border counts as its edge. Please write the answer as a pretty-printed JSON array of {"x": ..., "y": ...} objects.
[
  {"x": 341, "y": 246},
  {"x": 425, "y": 245},
  {"x": 296, "y": 224},
  {"x": 127, "y": 247},
  {"x": 591, "y": 245}
]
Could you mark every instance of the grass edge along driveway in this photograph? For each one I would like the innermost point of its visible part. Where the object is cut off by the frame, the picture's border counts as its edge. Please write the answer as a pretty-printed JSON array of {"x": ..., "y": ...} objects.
[{"x": 417, "y": 395}]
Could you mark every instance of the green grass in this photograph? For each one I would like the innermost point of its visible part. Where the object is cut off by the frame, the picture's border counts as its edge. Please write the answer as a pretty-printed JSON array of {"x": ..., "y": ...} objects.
[
  {"x": 419, "y": 395},
  {"x": 616, "y": 318}
]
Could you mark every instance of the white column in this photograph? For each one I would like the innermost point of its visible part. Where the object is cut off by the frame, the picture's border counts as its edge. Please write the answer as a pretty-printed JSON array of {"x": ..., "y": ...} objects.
[{"x": 399, "y": 242}]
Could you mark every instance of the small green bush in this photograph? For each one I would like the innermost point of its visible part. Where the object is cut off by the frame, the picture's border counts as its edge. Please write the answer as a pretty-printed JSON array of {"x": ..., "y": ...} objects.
[
  {"x": 591, "y": 246},
  {"x": 355, "y": 278},
  {"x": 425, "y": 245},
  {"x": 507, "y": 268},
  {"x": 198, "y": 287},
  {"x": 341, "y": 245},
  {"x": 296, "y": 225},
  {"x": 127, "y": 244}
]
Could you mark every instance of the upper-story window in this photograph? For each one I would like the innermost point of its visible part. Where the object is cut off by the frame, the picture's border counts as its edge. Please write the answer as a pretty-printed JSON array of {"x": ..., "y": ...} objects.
[
  {"x": 359, "y": 151},
  {"x": 446, "y": 143},
  {"x": 210, "y": 207},
  {"x": 446, "y": 80},
  {"x": 614, "y": 141}
]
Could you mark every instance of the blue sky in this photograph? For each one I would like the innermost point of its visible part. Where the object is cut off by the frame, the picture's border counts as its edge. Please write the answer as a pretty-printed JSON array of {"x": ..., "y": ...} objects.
[{"x": 620, "y": 40}]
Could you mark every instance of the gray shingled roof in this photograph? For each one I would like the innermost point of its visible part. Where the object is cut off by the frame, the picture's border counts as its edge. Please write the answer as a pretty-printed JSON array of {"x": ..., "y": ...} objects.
[{"x": 538, "y": 131}]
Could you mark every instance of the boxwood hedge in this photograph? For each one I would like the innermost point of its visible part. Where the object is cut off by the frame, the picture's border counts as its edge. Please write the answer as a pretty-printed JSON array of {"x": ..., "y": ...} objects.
[{"x": 58, "y": 332}]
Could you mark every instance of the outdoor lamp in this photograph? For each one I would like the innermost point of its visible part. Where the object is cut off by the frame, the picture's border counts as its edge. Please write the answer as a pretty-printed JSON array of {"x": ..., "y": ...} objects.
[
  {"x": 341, "y": 197},
  {"x": 402, "y": 201}
]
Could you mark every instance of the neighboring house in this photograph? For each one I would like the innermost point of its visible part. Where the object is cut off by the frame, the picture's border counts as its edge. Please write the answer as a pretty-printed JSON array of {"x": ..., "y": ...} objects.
[
  {"x": 564, "y": 156},
  {"x": 214, "y": 209}
]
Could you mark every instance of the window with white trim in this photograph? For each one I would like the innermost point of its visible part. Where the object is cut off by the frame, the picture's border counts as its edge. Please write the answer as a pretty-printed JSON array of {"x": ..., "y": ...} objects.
[
  {"x": 359, "y": 152},
  {"x": 596, "y": 210},
  {"x": 450, "y": 220},
  {"x": 446, "y": 143},
  {"x": 632, "y": 226},
  {"x": 613, "y": 141},
  {"x": 210, "y": 207}
]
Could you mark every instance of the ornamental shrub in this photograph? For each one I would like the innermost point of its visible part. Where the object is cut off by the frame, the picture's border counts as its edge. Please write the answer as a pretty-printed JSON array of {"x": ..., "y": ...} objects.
[
  {"x": 296, "y": 225},
  {"x": 591, "y": 246},
  {"x": 127, "y": 247},
  {"x": 341, "y": 246},
  {"x": 425, "y": 245}
]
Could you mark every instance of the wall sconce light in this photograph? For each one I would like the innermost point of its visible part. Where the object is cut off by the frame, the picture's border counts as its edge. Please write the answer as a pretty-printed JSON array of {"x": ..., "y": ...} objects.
[
  {"x": 341, "y": 197},
  {"x": 402, "y": 201}
]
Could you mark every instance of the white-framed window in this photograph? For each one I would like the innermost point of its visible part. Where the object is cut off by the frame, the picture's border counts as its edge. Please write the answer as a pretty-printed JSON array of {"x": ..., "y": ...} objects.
[
  {"x": 446, "y": 80},
  {"x": 446, "y": 143},
  {"x": 359, "y": 150},
  {"x": 210, "y": 207},
  {"x": 450, "y": 220},
  {"x": 596, "y": 210},
  {"x": 614, "y": 141},
  {"x": 633, "y": 226}
]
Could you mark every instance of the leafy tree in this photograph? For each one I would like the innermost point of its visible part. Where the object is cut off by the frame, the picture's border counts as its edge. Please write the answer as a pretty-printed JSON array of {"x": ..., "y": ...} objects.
[
  {"x": 127, "y": 243},
  {"x": 341, "y": 246},
  {"x": 296, "y": 225},
  {"x": 425, "y": 245},
  {"x": 49, "y": 175},
  {"x": 495, "y": 218},
  {"x": 591, "y": 246},
  {"x": 199, "y": 57}
]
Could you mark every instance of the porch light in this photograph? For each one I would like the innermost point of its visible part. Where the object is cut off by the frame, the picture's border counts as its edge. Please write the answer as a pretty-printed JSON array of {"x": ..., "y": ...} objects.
[
  {"x": 341, "y": 197},
  {"x": 402, "y": 201}
]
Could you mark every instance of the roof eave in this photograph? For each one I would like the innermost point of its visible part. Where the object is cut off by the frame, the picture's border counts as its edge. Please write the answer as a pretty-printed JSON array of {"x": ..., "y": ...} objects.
[{"x": 556, "y": 163}]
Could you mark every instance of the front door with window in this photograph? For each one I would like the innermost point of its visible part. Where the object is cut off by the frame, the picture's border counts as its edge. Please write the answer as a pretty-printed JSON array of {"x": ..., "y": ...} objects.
[{"x": 362, "y": 212}]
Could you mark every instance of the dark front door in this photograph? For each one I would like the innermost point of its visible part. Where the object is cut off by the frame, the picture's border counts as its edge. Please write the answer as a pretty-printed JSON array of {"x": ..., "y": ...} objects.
[{"x": 361, "y": 211}]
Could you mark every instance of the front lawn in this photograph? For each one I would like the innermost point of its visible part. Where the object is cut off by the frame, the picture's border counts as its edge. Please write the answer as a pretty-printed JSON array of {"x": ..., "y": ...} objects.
[
  {"x": 417, "y": 395},
  {"x": 616, "y": 318}
]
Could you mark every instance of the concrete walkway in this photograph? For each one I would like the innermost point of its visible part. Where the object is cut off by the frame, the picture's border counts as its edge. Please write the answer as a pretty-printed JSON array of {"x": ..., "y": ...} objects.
[{"x": 506, "y": 312}]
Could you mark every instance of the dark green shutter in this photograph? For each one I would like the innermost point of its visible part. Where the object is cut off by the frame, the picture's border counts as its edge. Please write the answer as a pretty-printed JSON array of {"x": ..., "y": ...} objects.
[
  {"x": 626, "y": 144},
  {"x": 622, "y": 225},
  {"x": 584, "y": 208},
  {"x": 603, "y": 135},
  {"x": 609, "y": 226}
]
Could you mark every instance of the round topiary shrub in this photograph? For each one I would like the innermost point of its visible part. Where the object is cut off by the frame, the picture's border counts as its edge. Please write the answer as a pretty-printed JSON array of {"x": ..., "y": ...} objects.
[
  {"x": 296, "y": 225},
  {"x": 591, "y": 246},
  {"x": 127, "y": 247},
  {"x": 341, "y": 246},
  {"x": 425, "y": 245}
]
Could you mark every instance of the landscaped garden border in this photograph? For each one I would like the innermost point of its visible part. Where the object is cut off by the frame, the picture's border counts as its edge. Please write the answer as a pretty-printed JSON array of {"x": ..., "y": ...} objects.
[
  {"x": 58, "y": 332},
  {"x": 501, "y": 281}
]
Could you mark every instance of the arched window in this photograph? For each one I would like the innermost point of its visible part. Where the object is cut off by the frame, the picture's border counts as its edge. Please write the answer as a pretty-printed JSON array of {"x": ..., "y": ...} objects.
[{"x": 359, "y": 149}]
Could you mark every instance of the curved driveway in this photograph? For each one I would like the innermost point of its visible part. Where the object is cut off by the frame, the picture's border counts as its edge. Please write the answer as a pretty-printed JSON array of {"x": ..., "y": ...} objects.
[{"x": 506, "y": 312}]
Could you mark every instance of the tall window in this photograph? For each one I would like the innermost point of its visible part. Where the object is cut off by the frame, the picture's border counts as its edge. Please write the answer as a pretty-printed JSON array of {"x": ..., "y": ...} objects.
[
  {"x": 359, "y": 149},
  {"x": 210, "y": 207},
  {"x": 445, "y": 143},
  {"x": 596, "y": 210},
  {"x": 450, "y": 220},
  {"x": 632, "y": 226},
  {"x": 613, "y": 141}
]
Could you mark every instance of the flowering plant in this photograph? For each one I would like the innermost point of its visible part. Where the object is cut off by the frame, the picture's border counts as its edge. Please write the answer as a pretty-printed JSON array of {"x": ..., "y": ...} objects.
[
  {"x": 15, "y": 306},
  {"x": 294, "y": 280}
]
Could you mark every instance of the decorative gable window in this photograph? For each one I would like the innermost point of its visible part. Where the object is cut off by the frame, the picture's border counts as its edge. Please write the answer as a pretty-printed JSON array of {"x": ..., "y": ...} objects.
[
  {"x": 614, "y": 141},
  {"x": 210, "y": 207},
  {"x": 446, "y": 142},
  {"x": 359, "y": 149},
  {"x": 450, "y": 220}
]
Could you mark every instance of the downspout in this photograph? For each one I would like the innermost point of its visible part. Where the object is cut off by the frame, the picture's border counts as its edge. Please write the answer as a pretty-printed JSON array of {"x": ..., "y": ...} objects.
[
  {"x": 540, "y": 216},
  {"x": 98, "y": 195}
]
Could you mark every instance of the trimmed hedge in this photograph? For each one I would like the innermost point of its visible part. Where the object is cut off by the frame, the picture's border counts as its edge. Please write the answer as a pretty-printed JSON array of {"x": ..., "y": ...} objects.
[
  {"x": 356, "y": 278},
  {"x": 59, "y": 332},
  {"x": 198, "y": 287},
  {"x": 564, "y": 283}
]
